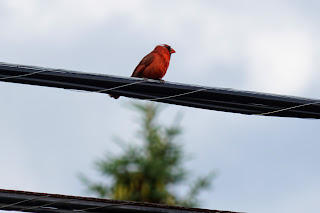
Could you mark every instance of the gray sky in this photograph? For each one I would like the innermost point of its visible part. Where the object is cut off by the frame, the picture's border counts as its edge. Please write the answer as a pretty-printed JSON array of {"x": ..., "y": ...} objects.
[{"x": 265, "y": 164}]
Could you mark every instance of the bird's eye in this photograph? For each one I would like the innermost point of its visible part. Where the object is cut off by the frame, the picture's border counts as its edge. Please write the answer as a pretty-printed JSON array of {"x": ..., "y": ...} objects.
[{"x": 169, "y": 48}]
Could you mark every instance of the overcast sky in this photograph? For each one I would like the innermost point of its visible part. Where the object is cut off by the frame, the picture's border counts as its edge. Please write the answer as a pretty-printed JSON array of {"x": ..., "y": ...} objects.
[{"x": 265, "y": 164}]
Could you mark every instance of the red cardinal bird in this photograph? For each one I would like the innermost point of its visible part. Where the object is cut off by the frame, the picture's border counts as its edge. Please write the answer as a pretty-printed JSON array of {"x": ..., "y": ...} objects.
[{"x": 154, "y": 65}]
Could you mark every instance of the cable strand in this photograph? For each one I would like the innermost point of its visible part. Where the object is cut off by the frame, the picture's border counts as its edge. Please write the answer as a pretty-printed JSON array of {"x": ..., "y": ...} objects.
[
  {"x": 174, "y": 96},
  {"x": 27, "y": 74},
  {"x": 23, "y": 201},
  {"x": 125, "y": 85},
  {"x": 285, "y": 109}
]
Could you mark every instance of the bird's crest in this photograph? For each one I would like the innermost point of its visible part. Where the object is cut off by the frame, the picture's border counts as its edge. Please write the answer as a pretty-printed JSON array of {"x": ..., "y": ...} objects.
[{"x": 168, "y": 47}]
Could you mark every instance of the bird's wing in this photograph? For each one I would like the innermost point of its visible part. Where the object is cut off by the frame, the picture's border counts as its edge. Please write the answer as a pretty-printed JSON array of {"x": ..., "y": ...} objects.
[{"x": 146, "y": 61}]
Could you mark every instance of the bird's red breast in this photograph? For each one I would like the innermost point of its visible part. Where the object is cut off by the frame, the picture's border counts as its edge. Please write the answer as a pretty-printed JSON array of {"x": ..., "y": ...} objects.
[{"x": 154, "y": 65}]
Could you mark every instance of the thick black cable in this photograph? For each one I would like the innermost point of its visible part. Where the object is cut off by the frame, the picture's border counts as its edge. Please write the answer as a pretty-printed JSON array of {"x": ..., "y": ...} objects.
[{"x": 228, "y": 100}]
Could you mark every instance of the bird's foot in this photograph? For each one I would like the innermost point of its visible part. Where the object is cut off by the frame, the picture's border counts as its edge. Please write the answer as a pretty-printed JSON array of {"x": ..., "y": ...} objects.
[{"x": 161, "y": 81}]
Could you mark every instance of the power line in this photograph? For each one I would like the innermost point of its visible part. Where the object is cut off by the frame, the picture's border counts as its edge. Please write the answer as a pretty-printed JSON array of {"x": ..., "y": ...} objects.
[
  {"x": 212, "y": 98},
  {"x": 24, "y": 201}
]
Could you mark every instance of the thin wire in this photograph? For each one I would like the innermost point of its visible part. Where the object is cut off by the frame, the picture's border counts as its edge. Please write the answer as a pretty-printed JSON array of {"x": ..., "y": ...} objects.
[
  {"x": 173, "y": 96},
  {"x": 104, "y": 90},
  {"x": 47, "y": 205},
  {"x": 99, "y": 91},
  {"x": 27, "y": 74},
  {"x": 101, "y": 207},
  {"x": 23, "y": 201},
  {"x": 285, "y": 109}
]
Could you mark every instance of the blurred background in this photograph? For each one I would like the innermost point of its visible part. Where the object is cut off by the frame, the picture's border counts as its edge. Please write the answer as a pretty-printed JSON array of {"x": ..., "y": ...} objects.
[{"x": 264, "y": 164}]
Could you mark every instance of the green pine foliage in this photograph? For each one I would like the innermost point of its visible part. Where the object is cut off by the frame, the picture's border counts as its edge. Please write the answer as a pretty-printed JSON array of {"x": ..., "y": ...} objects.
[{"x": 148, "y": 173}]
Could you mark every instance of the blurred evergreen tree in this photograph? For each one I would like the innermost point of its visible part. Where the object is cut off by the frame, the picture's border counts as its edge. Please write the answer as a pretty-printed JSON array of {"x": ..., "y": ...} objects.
[{"x": 148, "y": 173}]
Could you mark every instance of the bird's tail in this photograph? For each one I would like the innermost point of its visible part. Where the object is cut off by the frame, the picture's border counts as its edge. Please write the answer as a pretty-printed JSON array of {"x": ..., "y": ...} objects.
[{"x": 114, "y": 96}]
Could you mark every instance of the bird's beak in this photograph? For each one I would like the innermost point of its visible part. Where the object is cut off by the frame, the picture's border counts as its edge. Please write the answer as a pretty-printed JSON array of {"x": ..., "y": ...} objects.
[{"x": 172, "y": 51}]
